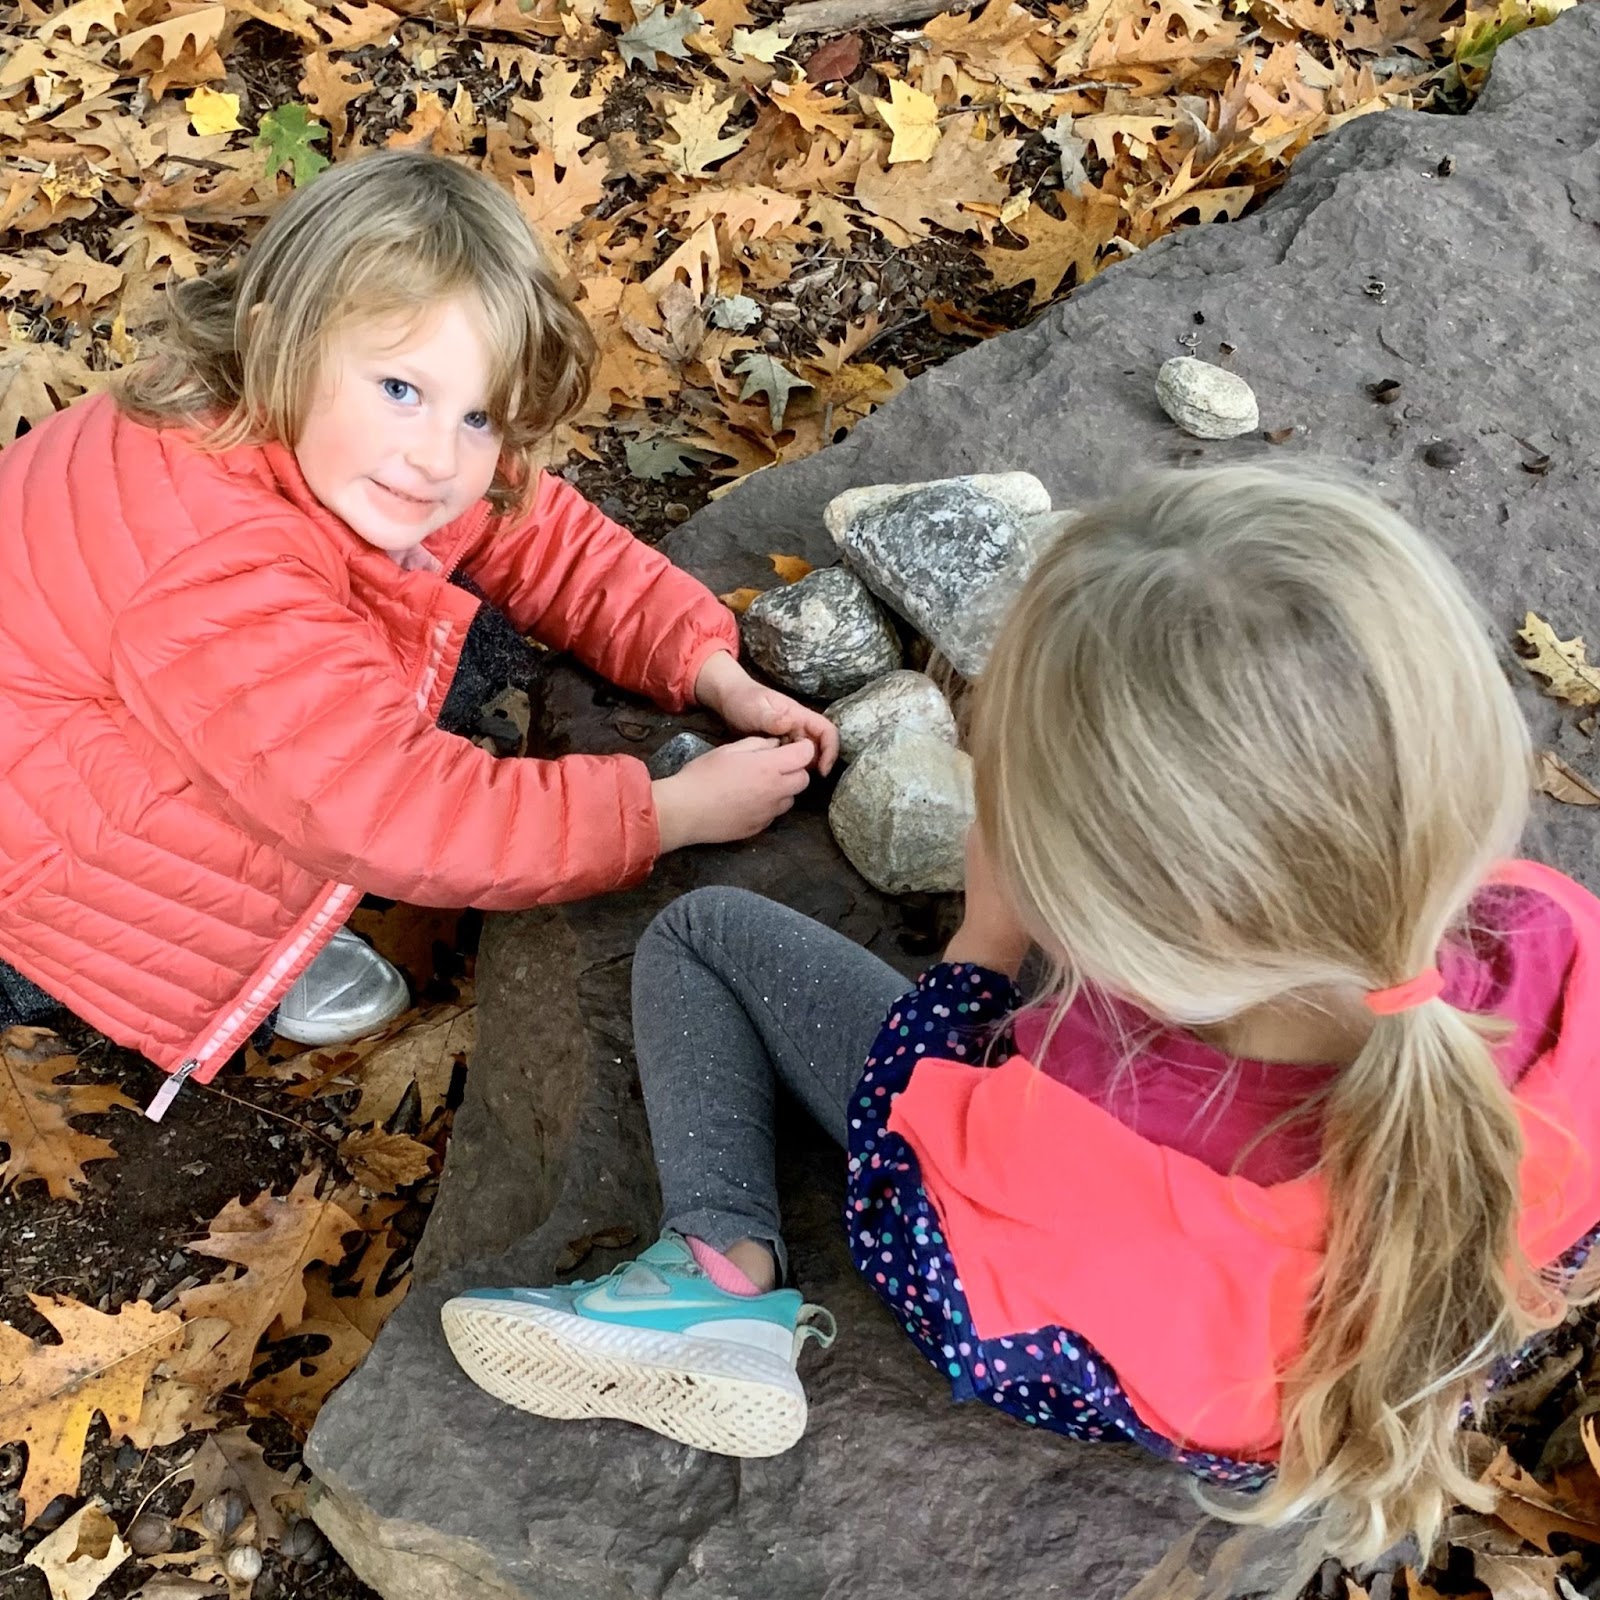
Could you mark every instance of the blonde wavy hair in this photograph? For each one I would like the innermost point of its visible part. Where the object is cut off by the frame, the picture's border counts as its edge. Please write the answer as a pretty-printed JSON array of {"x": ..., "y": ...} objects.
[
  {"x": 385, "y": 235},
  {"x": 1244, "y": 739}
]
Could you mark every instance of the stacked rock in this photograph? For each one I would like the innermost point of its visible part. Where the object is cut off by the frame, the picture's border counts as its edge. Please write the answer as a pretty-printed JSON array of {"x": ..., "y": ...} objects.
[{"x": 946, "y": 557}]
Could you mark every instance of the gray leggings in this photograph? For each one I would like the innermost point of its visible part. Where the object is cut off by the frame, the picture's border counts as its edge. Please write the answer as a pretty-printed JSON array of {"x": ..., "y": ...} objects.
[{"x": 732, "y": 995}]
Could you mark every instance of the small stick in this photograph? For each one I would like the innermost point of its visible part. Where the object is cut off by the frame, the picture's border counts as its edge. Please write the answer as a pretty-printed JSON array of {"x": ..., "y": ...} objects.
[{"x": 841, "y": 16}]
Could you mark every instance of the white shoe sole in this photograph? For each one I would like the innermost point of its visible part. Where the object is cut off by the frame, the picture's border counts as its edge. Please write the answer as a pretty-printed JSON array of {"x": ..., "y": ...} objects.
[{"x": 712, "y": 1394}]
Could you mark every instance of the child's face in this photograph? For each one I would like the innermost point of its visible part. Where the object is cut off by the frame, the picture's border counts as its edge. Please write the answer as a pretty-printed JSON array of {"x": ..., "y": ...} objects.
[{"x": 397, "y": 441}]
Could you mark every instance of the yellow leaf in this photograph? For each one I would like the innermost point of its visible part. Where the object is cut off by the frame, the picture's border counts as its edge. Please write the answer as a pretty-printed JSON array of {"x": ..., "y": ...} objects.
[
  {"x": 913, "y": 118},
  {"x": 698, "y": 122},
  {"x": 738, "y": 600},
  {"x": 790, "y": 568},
  {"x": 80, "y": 1555},
  {"x": 1562, "y": 662},
  {"x": 211, "y": 111},
  {"x": 50, "y": 1393}
]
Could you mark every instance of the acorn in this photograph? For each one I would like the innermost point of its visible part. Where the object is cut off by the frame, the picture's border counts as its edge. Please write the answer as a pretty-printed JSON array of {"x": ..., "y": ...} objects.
[
  {"x": 223, "y": 1512},
  {"x": 243, "y": 1564}
]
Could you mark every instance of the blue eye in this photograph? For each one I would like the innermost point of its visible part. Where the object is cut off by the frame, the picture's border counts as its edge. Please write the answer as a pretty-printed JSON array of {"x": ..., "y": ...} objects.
[
  {"x": 478, "y": 421},
  {"x": 399, "y": 390}
]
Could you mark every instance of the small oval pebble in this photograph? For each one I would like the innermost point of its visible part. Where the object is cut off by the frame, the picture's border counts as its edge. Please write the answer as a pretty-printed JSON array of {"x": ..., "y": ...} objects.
[
  {"x": 1206, "y": 401},
  {"x": 1443, "y": 454}
]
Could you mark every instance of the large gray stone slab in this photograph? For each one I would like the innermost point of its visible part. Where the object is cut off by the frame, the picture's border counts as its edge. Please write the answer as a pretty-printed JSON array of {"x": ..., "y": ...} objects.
[{"x": 1487, "y": 317}]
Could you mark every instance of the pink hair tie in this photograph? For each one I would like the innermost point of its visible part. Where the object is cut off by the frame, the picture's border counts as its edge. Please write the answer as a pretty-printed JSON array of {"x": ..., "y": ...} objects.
[{"x": 1418, "y": 991}]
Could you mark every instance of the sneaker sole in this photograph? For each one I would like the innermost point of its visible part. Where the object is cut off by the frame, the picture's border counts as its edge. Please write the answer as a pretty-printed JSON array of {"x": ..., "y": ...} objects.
[{"x": 709, "y": 1393}]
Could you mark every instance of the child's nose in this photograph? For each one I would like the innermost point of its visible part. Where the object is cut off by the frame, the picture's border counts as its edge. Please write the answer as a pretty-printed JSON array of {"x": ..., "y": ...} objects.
[{"x": 433, "y": 453}]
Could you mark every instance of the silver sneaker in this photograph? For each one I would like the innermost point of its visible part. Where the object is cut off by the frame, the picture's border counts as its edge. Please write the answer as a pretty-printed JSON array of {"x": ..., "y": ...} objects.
[{"x": 348, "y": 992}]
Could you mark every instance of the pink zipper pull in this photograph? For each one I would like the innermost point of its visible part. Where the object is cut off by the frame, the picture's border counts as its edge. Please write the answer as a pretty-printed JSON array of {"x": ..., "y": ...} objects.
[{"x": 168, "y": 1092}]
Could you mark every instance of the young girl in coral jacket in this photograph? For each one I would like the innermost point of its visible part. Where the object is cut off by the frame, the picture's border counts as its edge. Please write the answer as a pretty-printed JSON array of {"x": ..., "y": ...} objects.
[
  {"x": 1303, "y": 1146},
  {"x": 231, "y": 625}
]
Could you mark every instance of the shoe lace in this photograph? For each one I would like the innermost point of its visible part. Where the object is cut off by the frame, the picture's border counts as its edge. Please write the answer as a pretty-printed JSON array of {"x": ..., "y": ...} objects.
[{"x": 815, "y": 1322}]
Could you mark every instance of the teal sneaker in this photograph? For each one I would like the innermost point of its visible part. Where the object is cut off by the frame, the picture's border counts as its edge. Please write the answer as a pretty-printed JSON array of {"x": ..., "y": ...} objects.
[{"x": 656, "y": 1343}]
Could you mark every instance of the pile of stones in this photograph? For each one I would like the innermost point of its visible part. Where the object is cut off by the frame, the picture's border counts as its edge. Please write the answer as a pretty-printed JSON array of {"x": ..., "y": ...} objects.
[{"x": 927, "y": 572}]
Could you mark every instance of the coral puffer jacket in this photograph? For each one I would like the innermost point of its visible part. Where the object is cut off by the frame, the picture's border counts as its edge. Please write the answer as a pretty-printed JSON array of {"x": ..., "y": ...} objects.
[{"x": 217, "y": 726}]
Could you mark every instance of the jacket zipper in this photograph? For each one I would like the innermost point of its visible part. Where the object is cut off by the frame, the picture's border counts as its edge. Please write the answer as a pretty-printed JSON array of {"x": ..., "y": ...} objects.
[{"x": 180, "y": 1075}]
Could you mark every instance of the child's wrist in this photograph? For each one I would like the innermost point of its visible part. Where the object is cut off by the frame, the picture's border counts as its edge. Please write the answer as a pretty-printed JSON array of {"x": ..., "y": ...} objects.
[
  {"x": 671, "y": 824},
  {"x": 720, "y": 673}
]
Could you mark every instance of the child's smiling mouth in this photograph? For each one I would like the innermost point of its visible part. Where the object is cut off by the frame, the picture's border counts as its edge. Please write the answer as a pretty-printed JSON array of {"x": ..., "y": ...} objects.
[{"x": 410, "y": 505}]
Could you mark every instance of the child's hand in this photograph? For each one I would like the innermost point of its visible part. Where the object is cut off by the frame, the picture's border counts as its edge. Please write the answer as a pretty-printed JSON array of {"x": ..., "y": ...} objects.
[
  {"x": 732, "y": 792},
  {"x": 991, "y": 934},
  {"x": 749, "y": 707}
]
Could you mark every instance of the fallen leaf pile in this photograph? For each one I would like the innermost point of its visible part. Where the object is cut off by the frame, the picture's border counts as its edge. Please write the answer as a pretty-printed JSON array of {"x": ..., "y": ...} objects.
[
  {"x": 750, "y": 218},
  {"x": 301, "y": 1282}
]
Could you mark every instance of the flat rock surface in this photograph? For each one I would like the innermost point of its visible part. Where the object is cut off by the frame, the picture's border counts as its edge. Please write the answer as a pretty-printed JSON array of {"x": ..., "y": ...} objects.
[{"x": 1486, "y": 317}]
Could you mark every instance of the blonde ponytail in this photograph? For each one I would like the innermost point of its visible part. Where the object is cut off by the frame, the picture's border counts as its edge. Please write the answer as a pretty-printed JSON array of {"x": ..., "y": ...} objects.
[
  {"x": 1244, "y": 742},
  {"x": 1423, "y": 1285}
]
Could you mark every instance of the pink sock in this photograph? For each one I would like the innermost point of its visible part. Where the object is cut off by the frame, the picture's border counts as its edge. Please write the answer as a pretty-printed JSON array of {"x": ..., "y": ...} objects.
[{"x": 720, "y": 1270}]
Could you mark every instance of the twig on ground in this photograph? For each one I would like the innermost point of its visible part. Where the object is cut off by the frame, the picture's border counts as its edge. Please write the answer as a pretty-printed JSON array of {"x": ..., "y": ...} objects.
[{"x": 841, "y": 16}]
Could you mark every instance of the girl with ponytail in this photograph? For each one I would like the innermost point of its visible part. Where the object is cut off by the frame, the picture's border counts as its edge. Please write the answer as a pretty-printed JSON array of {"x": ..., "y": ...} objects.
[{"x": 1301, "y": 1145}]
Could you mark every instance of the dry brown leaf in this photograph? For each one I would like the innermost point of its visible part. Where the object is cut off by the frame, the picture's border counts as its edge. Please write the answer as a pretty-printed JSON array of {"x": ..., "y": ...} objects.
[
  {"x": 748, "y": 208},
  {"x": 554, "y": 203},
  {"x": 426, "y": 1054},
  {"x": 738, "y": 601},
  {"x": 350, "y": 1322},
  {"x": 384, "y": 1162},
  {"x": 698, "y": 123},
  {"x": 1519, "y": 1577},
  {"x": 232, "y": 1459},
  {"x": 555, "y": 117},
  {"x": 1562, "y": 663},
  {"x": 352, "y": 24},
  {"x": 790, "y": 569},
  {"x": 50, "y": 1393},
  {"x": 997, "y": 43},
  {"x": 330, "y": 86},
  {"x": 962, "y": 172},
  {"x": 36, "y": 380},
  {"x": 194, "y": 31},
  {"x": 272, "y": 1240},
  {"x": 815, "y": 111},
  {"x": 1056, "y": 247},
  {"x": 1563, "y": 782},
  {"x": 1531, "y": 1510},
  {"x": 80, "y": 1555},
  {"x": 36, "y": 1112}
]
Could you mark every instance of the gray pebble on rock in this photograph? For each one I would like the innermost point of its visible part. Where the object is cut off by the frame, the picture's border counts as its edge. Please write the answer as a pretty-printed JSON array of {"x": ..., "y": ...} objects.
[
  {"x": 673, "y": 756},
  {"x": 1205, "y": 400},
  {"x": 823, "y": 637},
  {"x": 932, "y": 550},
  {"x": 901, "y": 814},
  {"x": 900, "y": 702}
]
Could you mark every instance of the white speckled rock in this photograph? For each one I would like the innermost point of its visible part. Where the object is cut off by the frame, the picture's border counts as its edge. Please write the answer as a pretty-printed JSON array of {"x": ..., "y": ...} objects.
[
  {"x": 824, "y": 636},
  {"x": 901, "y": 702},
  {"x": 946, "y": 555},
  {"x": 1207, "y": 401},
  {"x": 901, "y": 814}
]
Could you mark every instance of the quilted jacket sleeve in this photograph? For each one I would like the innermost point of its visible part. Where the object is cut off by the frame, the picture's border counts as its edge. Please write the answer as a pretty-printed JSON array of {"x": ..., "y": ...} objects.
[
  {"x": 583, "y": 583},
  {"x": 288, "y": 712}
]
